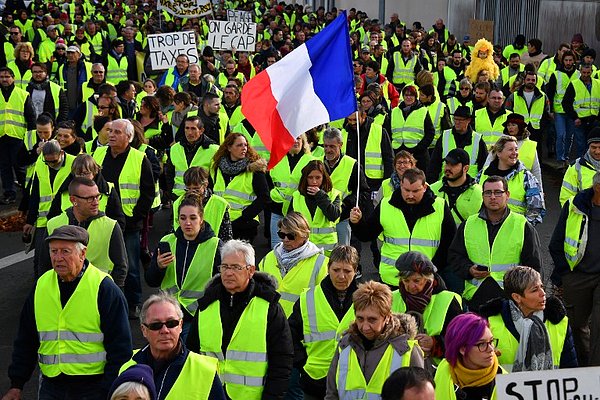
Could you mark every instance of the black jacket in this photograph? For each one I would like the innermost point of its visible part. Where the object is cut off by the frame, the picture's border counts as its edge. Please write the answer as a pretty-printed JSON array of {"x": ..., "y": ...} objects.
[
  {"x": 369, "y": 228},
  {"x": 554, "y": 312},
  {"x": 49, "y": 106},
  {"x": 280, "y": 352},
  {"x": 166, "y": 373},
  {"x": 184, "y": 253},
  {"x": 313, "y": 387},
  {"x": 116, "y": 249},
  {"x": 113, "y": 324}
]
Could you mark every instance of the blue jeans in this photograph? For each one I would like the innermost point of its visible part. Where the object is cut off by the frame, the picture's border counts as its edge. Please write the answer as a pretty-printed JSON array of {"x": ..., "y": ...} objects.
[
  {"x": 343, "y": 231},
  {"x": 133, "y": 285},
  {"x": 565, "y": 127},
  {"x": 9, "y": 150},
  {"x": 52, "y": 390},
  {"x": 275, "y": 218},
  {"x": 294, "y": 391}
]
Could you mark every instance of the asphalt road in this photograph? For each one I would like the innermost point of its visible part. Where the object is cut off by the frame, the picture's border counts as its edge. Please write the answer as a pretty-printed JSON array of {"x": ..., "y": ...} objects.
[{"x": 16, "y": 274}]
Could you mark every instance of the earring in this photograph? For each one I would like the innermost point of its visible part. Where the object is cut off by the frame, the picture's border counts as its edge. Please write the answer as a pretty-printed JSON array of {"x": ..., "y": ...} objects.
[{"x": 74, "y": 204}]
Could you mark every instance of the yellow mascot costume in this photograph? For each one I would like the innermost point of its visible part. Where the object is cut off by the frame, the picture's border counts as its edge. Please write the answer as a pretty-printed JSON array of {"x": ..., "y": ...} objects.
[{"x": 482, "y": 58}]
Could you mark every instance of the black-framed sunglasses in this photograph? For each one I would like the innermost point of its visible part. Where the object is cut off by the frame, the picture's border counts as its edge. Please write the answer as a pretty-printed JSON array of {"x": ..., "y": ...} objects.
[
  {"x": 290, "y": 236},
  {"x": 157, "y": 326}
]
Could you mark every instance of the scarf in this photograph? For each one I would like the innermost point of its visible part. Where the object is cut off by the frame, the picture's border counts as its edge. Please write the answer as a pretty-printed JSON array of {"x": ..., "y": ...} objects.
[
  {"x": 534, "y": 352},
  {"x": 588, "y": 157},
  {"x": 417, "y": 302},
  {"x": 465, "y": 377},
  {"x": 233, "y": 168},
  {"x": 395, "y": 180},
  {"x": 287, "y": 260}
]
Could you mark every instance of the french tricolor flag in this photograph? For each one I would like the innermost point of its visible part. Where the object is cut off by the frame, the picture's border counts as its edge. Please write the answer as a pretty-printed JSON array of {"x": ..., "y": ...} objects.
[{"x": 312, "y": 85}]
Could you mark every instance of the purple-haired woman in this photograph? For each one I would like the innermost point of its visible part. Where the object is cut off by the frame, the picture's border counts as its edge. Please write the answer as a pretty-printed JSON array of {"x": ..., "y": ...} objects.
[{"x": 470, "y": 367}]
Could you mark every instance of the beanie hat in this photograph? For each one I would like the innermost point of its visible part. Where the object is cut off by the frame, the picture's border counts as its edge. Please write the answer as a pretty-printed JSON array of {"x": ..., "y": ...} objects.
[{"x": 139, "y": 373}]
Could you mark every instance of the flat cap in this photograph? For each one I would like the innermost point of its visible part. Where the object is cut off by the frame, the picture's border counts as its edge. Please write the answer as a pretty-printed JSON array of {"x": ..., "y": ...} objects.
[{"x": 70, "y": 233}]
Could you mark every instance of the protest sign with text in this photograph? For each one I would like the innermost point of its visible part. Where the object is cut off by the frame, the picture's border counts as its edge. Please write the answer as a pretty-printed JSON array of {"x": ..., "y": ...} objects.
[
  {"x": 226, "y": 35},
  {"x": 185, "y": 8},
  {"x": 558, "y": 384},
  {"x": 165, "y": 47},
  {"x": 239, "y": 16}
]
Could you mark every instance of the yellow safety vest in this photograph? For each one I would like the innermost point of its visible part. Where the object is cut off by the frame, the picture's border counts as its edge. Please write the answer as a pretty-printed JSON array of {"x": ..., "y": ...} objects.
[
  {"x": 483, "y": 125},
  {"x": 587, "y": 103},
  {"x": 21, "y": 81},
  {"x": 562, "y": 83},
  {"x": 449, "y": 143},
  {"x": 468, "y": 203},
  {"x": 322, "y": 230},
  {"x": 202, "y": 158},
  {"x": 195, "y": 367},
  {"x": 527, "y": 152},
  {"x": 308, "y": 273},
  {"x": 445, "y": 388},
  {"x": 47, "y": 191},
  {"x": 71, "y": 341},
  {"x": 576, "y": 235},
  {"x": 100, "y": 231},
  {"x": 239, "y": 192},
  {"x": 129, "y": 178},
  {"x": 196, "y": 276},
  {"x": 244, "y": 366},
  {"x": 508, "y": 344},
  {"x": 322, "y": 330},
  {"x": 286, "y": 180},
  {"x": 116, "y": 70},
  {"x": 12, "y": 120},
  {"x": 340, "y": 177},
  {"x": 577, "y": 178},
  {"x": 410, "y": 131},
  {"x": 436, "y": 112},
  {"x": 404, "y": 72},
  {"x": 350, "y": 380},
  {"x": 373, "y": 159},
  {"x": 504, "y": 253},
  {"x": 504, "y": 73},
  {"x": 398, "y": 239},
  {"x": 435, "y": 312},
  {"x": 532, "y": 115}
]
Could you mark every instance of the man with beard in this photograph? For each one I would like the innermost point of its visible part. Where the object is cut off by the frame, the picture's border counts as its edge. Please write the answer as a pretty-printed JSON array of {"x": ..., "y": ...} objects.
[
  {"x": 460, "y": 136},
  {"x": 458, "y": 64},
  {"x": 216, "y": 123},
  {"x": 46, "y": 96},
  {"x": 480, "y": 95},
  {"x": 232, "y": 104}
]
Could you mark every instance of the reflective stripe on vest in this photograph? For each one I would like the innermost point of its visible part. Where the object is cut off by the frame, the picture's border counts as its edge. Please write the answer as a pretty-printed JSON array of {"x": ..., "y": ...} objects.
[
  {"x": 586, "y": 103},
  {"x": 129, "y": 177},
  {"x": 404, "y": 72},
  {"x": 116, "y": 71},
  {"x": 398, "y": 239},
  {"x": 532, "y": 115},
  {"x": 196, "y": 274},
  {"x": 435, "y": 312},
  {"x": 410, "y": 131},
  {"x": 490, "y": 133},
  {"x": 449, "y": 143},
  {"x": 12, "y": 119},
  {"x": 504, "y": 253},
  {"x": 71, "y": 341},
  {"x": 307, "y": 273},
  {"x": 373, "y": 159},
  {"x": 244, "y": 367},
  {"x": 562, "y": 83},
  {"x": 286, "y": 179},
  {"x": 576, "y": 235},
  {"x": 202, "y": 158},
  {"x": 47, "y": 191},
  {"x": 340, "y": 177},
  {"x": 239, "y": 192}
]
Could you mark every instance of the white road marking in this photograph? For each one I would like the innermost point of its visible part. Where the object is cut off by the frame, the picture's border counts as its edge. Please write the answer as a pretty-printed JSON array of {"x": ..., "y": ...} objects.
[{"x": 15, "y": 258}]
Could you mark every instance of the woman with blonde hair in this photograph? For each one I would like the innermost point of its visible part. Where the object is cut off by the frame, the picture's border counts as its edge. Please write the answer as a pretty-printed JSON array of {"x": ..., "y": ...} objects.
[
  {"x": 22, "y": 65},
  {"x": 526, "y": 196},
  {"x": 377, "y": 343},
  {"x": 238, "y": 175}
]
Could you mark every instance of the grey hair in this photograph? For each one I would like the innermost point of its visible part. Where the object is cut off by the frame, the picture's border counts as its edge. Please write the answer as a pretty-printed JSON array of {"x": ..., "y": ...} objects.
[
  {"x": 126, "y": 388},
  {"x": 194, "y": 65},
  {"x": 596, "y": 179},
  {"x": 160, "y": 297},
  {"x": 333, "y": 133},
  {"x": 99, "y": 65},
  {"x": 466, "y": 82},
  {"x": 51, "y": 147},
  {"x": 129, "y": 129},
  {"x": 80, "y": 247},
  {"x": 239, "y": 247},
  {"x": 518, "y": 279}
]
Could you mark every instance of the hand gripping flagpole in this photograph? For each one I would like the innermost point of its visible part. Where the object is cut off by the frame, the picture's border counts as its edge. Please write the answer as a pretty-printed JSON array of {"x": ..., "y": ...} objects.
[{"x": 358, "y": 158}]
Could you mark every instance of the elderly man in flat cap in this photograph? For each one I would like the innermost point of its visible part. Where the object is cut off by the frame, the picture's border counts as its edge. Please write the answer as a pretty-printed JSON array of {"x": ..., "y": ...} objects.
[{"x": 74, "y": 324}]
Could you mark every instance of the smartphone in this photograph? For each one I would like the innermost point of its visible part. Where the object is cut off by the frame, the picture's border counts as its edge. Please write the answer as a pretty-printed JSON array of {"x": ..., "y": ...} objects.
[
  {"x": 164, "y": 247},
  {"x": 482, "y": 268}
]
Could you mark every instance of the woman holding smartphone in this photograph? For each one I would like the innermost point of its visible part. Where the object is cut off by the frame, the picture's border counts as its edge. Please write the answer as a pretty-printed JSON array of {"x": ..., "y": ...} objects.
[{"x": 186, "y": 260}]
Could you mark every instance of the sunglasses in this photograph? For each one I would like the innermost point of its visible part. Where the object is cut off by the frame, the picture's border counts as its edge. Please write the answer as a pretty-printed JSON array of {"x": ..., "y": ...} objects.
[
  {"x": 290, "y": 236},
  {"x": 157, "y": 326}
]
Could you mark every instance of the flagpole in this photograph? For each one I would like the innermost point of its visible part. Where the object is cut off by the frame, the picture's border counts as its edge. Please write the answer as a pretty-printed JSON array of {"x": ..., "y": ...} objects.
[{"x": 358, "y": 158}]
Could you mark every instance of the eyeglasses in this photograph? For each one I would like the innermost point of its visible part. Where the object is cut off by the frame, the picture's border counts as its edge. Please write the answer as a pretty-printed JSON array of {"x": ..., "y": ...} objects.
[
  {"x": 403, "y": 162},
  {"x": 232, "y": 267},
  {"x": 90, "y": 199},
  {"x": 465, "y": 88},
  {"x": 290, "y": 236},
  {"x": 483, "y": 347},
  {"x": 496, "y": 193},
  {"x": 15, "y": 33},
  {"x": 97, "y": 72},
  {"x": 52, "y": 162},
  {"x": 103, "y": 107},
  {"x": 157, "y": 326}
]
